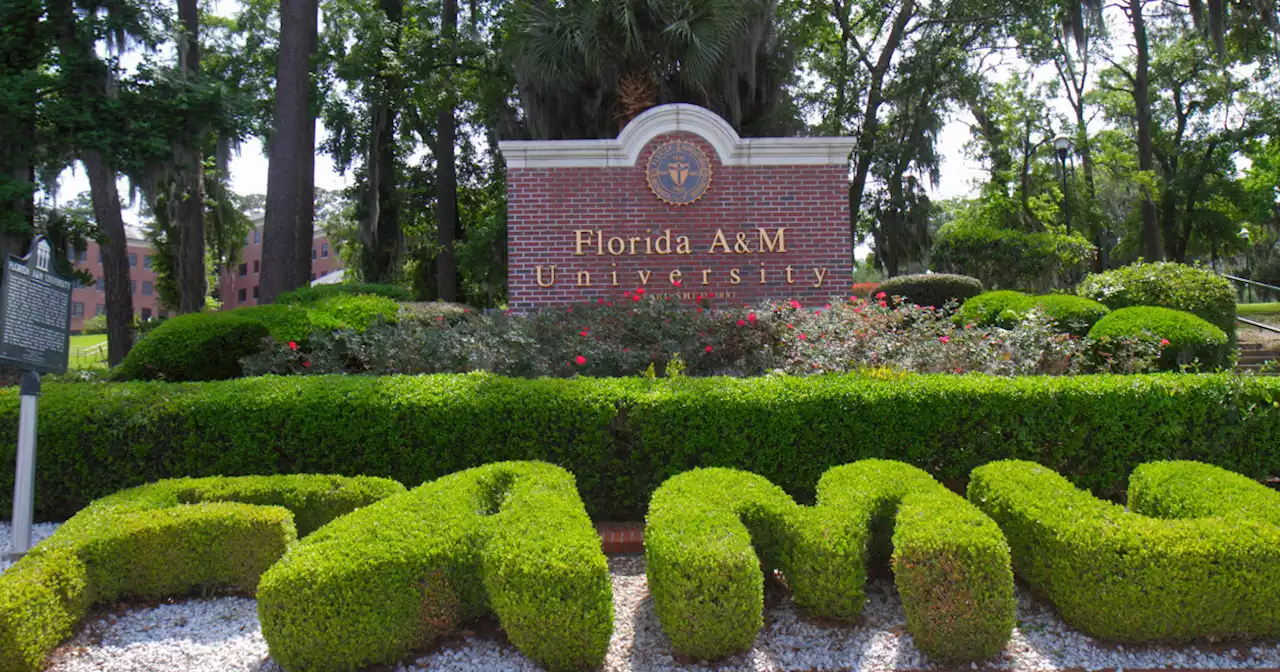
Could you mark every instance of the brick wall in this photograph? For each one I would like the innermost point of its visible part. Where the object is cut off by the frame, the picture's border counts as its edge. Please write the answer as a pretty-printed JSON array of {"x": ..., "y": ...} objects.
[{"x": 547, "y": 205}]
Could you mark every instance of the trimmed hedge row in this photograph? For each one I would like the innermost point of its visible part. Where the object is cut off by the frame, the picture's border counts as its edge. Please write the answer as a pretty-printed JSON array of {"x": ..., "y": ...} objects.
[
  {"x": 1129, "y": 577},
  {"x": 159, "y": 540},
  {"x": 624, "y": 437},
  {"x": 706, "y": 527},
  {"x": 512, "y": 538}
]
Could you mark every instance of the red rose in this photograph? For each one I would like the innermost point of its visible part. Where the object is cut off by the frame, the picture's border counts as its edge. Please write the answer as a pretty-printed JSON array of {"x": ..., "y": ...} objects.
[
  {"x": 307, "y": 364},
  {"x": 293, "y": 345},
  {"x": 881, "y": 295},
  {"x": 742, "y": 323},
  {"x": 751, "y": 317},
  {"x": 708, "y": 348},
  {"x": 580, "y": 360}
]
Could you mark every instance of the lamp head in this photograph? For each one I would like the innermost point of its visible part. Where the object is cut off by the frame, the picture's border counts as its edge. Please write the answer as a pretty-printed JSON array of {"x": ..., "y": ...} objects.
[
  {"x": 1244, "y": 234},
  {"x": 1062, "y": 143}
]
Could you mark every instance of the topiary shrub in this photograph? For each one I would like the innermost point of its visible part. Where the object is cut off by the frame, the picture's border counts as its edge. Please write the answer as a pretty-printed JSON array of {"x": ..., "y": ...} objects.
[
  {"x": 1167, "y": 285},
  {"x": 1191, "y": 340},
  {"x": 984, "y": 309},
  {"x": 357, "y": 313},
  {"x": 287, "y": 322},
  {"x": 315, "y": 293},
  {"x": 198, "y": 346},
  {"x": 512, "y": 538},
  {"x": 1004, "y": 257},
  {"x": 1197, "y": 556},
  {"x": 1069, "y": 314},
  {"x": 160, "y": 540},
  {"x": 932, "y": 289},
  {"x": 711, "y": 531}
]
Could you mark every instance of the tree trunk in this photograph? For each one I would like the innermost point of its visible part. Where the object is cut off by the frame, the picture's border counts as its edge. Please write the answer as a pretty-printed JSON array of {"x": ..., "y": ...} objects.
[
  {"x": 306, "y": 224},
  {"x": 189, "y": 156},
  {"x": 1142, "y": 110},
  {"x": 380, "y": 225},
  {"x": 446, "y": 167},
  {"x": 292, "y": 153},
  {"x": 115, "y": 256}
]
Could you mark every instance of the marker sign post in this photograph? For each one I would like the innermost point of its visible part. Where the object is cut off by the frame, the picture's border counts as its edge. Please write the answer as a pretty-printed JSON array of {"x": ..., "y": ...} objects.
[{"x": 35, "y": 334}]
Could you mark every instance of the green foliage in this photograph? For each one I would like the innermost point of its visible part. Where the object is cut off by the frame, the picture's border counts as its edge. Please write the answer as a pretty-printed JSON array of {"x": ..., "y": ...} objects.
[
  {"x": 1191, "y": 340},
  {"x": 355, "y": 312},
  {"x": 316, "y": 293},
  {"x": 95, "y": 325},
  {"x": 1010, "y": 258},
  {"x": 624, "y": 437},
  {"x": 511, "y": 538},
  {"x": 984, "y": 309},
  {"x": 288, "y": 322},
  {"x": 951, "y": 562},
  {"x": 197, "y": 346},
  {"x": 161, "y": 540},
  {"x": 1197, "y": 555},
  {"x": 932, "y": 289},
  {"x": 1168, "y": 285},
  {"x": 1074, "y": 315}
]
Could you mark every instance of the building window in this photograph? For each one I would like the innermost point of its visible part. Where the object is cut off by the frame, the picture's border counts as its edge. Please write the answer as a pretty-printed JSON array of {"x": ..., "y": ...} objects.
[
  {"x": 133, "y": 286},
  {"x": 82, "y": 255},
  {"x": 255, "y": 292},
  {"x": 147, "y": 288},
  {"x": 257, "y": 236},
  {"x": 77, "y": 309},
  {"x": 146, "y": 262},
  {"x": 324, "y": 250},
  {"x": 102, "y": 285},
  {"x": 313, "y": 277},
  {"x": 244, "y": 270},
  {"x": 241, "y": 296},
  {"x": 146, "y": 313},
  {"x": 133, "y": 260},
  {"x": 100, "y": 309},
  {"x": 255, "y": 266},
  {"x": 313, "y": 253},
  {"x": 76, "y": 283},
  {"x": 99, "y": 255}
]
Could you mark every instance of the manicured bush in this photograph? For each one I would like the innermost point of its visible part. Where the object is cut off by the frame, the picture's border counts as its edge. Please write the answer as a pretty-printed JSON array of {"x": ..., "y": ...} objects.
[
  {"x": 160, "y": 540},
  {"x": 706, "y": 527},
  {"x": 1138, "y": 576},
  {"x": 624, "y": 437},
  {"x": 356, "y": 312},
  {"x": 95, "y": 325},
  {"x": 932, "y": 289},
  {"x": 511, "y": 538},
  {"x": 316, "y": 293},
  {"x": 984, "y": 309},
  {"x": 1074, "y": 315},
  {"x": 1190, "y": 340},
  {"x": 1168, "y": 285},
  {"x": 286, "y": 323},
  {"x": 1006, "y": 257},
  {"x": 198, "y": 346}
]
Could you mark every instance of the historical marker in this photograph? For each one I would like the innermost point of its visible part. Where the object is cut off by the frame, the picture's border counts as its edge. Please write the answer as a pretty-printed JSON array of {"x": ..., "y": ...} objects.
[{"x": 35, "y": 312}]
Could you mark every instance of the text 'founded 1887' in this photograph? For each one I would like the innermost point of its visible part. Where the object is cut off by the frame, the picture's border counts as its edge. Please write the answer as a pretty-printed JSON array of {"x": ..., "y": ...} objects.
[{"x": 35, "y": 312}]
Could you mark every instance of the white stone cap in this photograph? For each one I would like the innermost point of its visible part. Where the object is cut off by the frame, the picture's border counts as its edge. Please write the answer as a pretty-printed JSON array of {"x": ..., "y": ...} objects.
[{"x": 672, "y": 118}]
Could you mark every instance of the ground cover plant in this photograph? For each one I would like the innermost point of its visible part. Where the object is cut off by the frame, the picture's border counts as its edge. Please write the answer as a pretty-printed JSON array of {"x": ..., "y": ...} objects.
[
  {"x": 164, "y": 539},
  {"x": 624, "y": 437},
  {"x": 1197, "y": 554},
  {"x": 711, "y": 531},
  {"x": 509, "y": 538}
]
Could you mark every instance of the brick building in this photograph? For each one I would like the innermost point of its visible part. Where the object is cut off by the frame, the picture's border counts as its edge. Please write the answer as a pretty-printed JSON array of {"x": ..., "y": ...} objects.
[
  {"x": 678, "y": 204},
  {"x": 91, "y": 300},
  {"x": 238, "y": 287}
]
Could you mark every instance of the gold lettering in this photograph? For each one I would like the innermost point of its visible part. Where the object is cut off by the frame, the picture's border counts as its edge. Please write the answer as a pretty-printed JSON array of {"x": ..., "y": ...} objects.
[
  {"x": 820, "y": 274},
  {"x": 548, "y": 283},
  {"x": 633, "y": 243},
  {"x": 664, "y": 238},
  {"x": 682, "y": 245},
  {"x": 615, "y": 275},
  {"x": 734, "y": 276},
  {"x": 741, "y": 246},
  {"x": 584, "y": 279},
  {"x": 705, "y": 273},
  {"x": 644, "y": 277},
  {"x": 789, "y": 280},
  {"x": 762, "y": 274},
  {"x": 719, "y": 241},
  {"x": 578, "y": 235},
  {"x": 779, "y": 241},
  {"x": 600, "y": 243},
  {"x": 622, "y": 246},
  {"x": 675, "y": 276}
]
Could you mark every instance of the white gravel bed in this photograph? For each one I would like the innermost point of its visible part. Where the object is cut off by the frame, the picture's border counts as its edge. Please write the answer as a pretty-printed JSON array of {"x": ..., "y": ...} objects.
[
  {"x": 222, "y": 635},
  {"x": 38, "y": 533}
]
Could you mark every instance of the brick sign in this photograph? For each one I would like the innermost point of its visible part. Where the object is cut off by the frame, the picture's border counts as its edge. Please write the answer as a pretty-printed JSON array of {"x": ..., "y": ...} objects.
[{"x": 680, "y": 205}]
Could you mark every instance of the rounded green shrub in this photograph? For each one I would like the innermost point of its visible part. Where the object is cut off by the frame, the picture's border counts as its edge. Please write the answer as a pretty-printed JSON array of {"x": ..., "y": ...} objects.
[
  {"x": 1168, "y": 285},
  {"x": 511, "y": 538},
  {"x": 288, "y": 322},
  {"x": 932, "y": 289},
  {"x": 951, "y": 564},
  {"x": 1069, "y": 314},
  {"x": 160, "y": 540},
  {"x": 356, "y": 312},
  {"x": 1197, "y": 554},
  {"x": 315, "y": 293},
  {"x": 198, "y": 346},
  {"x": 1191, "y": 340},
  {"x": 984, "y": 309},
  {"x": 1003, "y": 257}
]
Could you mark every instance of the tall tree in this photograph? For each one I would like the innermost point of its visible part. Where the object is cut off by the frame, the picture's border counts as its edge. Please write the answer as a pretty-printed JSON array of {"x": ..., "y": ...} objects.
[
  {"x": 448, "y": 226},
  {"x": 189, "y": 159},
  {"x": 291, "y": 150}
]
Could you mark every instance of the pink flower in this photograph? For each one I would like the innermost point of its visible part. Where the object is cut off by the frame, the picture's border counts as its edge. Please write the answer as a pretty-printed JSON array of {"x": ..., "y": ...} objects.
[
  {"x": 580, "y": 360},
  {"x": 677, "y": 283},
  {"x": 945, "y": 339},
  {"x": 637, "y": 297},
  {"x": 600, "y": 301},
  {"x": 699, "y": 309},
  {"x": 881, "y": 295},
  {"x": 789, "y": 326},
  {"x": 708, "y": 348},
  {"x": 751, "y": 317},
  {"x": 803, "y": 337},
  {"x": 640, "y": 291},
  {"x": 1164, "y": 342},
  {"x": 827, "y": 307},
  {"x": 570, "y": 310},
  {"x": 306, "y": 364},
  {"x": 293, "y": 345},
  {"x": 795, "y": 304},
  {"x": 883, "y": 304},
  {"x": 583, "y": 333},
  {"x": 742, "y": 323}
]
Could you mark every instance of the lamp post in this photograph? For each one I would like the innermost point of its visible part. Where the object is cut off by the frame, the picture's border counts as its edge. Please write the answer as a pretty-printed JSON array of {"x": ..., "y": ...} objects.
[
  {"x": 1248, "y": 258},
  {"x": 1063, "y": 144}
]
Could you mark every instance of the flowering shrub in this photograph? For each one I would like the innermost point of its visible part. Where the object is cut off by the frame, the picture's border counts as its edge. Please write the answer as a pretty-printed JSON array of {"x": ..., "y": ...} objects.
[{"x": 637, "y": 333}]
